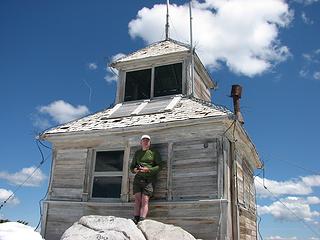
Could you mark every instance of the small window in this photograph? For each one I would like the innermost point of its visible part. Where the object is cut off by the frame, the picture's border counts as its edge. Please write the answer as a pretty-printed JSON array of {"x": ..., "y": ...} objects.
[
  {"x": 107, "y": 176},
  {"x": 168, "y": 80},
  {"x": 138, "y": 85}
]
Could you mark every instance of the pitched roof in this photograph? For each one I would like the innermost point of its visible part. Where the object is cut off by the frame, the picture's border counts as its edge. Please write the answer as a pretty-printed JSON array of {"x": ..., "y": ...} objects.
[
  {"x": 143, "y": 113},
  {"x": 155, "y": 49}
]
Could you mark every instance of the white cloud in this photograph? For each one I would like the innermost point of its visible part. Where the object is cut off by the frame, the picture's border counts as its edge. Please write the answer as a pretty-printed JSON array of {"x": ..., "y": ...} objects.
[
  {"x": 112, "y": 73},
  {"x": 4, "y": 194},
  {"x": 92, "y": 66},
  {"x": 280, "y": 238},
  {"x": 316, "y": 75},
  {"x": 302, "y": 186},
  {"x": 311, "y": 57},
  {"x": 303, "y": 73},
  {"x": 241, "y": 33},
  {"x": 307, "y": 57},
  {"x": 313, "y": 200},
  {"x": 299, "y": 186},
  {"x": 40, "y": 122},
  {"x": 19, "y": 177},
  {"x": 313, "y": 180},
  {"x": 310, "y": 68},
  {"x": 305, "y": 19},
  {"x": 63, "y": 112},
  {"x": 295, "y": 208}
]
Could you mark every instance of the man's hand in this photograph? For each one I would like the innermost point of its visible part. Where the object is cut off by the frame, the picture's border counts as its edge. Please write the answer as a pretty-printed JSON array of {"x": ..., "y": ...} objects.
[
  {"x": 144, "y": 170},
  {"x": 136, "y": 170}
]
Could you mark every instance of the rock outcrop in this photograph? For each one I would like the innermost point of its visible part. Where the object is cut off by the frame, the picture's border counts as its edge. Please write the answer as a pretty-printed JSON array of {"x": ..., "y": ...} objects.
[
  {"x": 113, "y": 228},
  {"x": 154, "y": 230},
  {"x": 103, "y": 228}
]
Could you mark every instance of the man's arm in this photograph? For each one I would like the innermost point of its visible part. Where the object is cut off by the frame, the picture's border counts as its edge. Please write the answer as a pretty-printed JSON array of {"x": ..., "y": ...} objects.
[{"x": 158, "y": 163}]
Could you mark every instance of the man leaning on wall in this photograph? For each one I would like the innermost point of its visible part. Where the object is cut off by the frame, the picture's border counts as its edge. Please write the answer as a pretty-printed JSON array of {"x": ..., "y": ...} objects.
[{"x": 146, "y": 165}]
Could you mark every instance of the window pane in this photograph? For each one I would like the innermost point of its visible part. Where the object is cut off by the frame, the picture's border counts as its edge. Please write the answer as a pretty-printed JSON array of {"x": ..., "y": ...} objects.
[
  {"x": 138, "y": 84},
  {"x": 106, "y": 187},
  {"x": 109, "y": 161},
  {"x": 168, "y": 80}
]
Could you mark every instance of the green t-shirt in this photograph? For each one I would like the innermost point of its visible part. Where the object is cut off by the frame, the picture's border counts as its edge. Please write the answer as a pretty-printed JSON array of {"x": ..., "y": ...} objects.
[{"x": 148, "y": 158}]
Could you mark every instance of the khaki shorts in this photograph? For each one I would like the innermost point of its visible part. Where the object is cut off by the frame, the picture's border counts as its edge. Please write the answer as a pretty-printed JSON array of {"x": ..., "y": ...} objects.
[{"x": 142, "y": 185}]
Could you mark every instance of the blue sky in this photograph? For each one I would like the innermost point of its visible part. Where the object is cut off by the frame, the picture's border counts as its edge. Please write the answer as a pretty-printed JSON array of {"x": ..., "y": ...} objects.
[{"x": 53, "y": 57}]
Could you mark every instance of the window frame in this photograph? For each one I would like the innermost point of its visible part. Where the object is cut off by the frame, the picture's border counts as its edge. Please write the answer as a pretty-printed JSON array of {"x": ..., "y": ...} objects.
[
  {"x": 107, "y": 174},
  {"x": 152, "y": 67}
]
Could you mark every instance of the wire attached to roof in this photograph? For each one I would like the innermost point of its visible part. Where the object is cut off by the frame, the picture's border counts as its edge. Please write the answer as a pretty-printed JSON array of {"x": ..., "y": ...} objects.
[{"x": 40, "y": 201}]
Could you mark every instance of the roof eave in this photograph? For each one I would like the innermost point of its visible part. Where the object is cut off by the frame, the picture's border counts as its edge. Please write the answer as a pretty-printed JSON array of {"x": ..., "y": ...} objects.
[
  {"x": 138, "y": 129},
  {"x": 123, "y": 64}
]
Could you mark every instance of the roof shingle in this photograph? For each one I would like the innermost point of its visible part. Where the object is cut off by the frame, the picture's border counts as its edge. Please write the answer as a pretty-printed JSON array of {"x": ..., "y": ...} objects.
[
  {"x": 178, "y": 108},
  {"x": 155, "y": 49}
]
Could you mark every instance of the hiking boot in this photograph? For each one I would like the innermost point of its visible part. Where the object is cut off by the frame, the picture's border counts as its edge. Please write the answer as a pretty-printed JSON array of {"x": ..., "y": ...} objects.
[{"x": 136, "y": 219}]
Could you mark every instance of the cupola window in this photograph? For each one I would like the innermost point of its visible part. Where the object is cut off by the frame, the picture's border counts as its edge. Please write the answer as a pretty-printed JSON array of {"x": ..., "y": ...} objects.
[
  {"x": 138, "y": 85},
  {"x": 168, "y": 80},
  {"x": 165, "y": 80}
]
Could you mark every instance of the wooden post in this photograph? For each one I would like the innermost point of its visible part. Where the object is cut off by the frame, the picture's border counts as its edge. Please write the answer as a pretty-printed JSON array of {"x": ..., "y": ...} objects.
[
  {"x": 169, "y": 171},
  {"x": 125, "y": 176},
  {"x": 234, "y": 194},
  {"x": 86, "y": 179},
  {"x": 44, "y": 218},
  {"x": 220, "y": 167}
]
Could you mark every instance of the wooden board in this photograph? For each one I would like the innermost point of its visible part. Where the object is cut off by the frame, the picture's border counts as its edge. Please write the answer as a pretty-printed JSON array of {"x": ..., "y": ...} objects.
[
  {"x": 201, "y": 219},
  {"x": 194, "y": 169},
  {"x": 69, "y": 174}
]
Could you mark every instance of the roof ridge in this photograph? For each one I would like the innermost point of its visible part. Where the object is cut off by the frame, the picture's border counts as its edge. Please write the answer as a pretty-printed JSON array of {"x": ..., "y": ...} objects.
[{"x": 151, "y": 45}]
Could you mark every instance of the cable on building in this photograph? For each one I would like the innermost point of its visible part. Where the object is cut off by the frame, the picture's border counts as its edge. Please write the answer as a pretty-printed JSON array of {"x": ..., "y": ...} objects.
[{"x": 46, "y": 194}]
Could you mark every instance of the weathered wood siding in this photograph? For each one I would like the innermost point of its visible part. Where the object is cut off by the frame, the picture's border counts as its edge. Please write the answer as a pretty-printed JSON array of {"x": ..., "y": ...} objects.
[
  {"x": 201, "y": 219},
  {"x": 68, "y": 176},
  {"x": 193, "y": 167},
  {"x": 194, "y": 170},
  {"x": 161, "y": 185},
  {"x": 196, "y": 167},
  {"x": 246, "y": 199},
  {"x": 200, "y": 89}
]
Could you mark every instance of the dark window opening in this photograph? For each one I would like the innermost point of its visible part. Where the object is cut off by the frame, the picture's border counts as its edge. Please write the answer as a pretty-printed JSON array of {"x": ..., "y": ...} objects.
[
  {"x": 106, "y": 187},
  {"x": 107, "y": 176},
  {"x": 138, "y": 85},
  {"x": 168, "y": 80},
  {"x": 109, "y": 161}
]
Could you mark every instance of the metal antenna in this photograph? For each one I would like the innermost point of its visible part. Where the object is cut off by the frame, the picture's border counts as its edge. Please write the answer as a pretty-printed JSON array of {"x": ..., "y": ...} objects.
[
  {"x": 191, "y": 50},
  {"x": 167, "y": 22},
  {"x": 190, "y": 12}
]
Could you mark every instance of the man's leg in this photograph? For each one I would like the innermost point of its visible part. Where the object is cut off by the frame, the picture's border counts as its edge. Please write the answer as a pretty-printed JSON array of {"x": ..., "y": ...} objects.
[
  {"x": 137, "y": 203},
  {"x": 144, "y": 206}
]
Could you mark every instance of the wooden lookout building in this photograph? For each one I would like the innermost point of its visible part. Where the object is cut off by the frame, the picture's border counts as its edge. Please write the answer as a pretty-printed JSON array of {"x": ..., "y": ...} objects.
[{"x": 206, "y": 185}]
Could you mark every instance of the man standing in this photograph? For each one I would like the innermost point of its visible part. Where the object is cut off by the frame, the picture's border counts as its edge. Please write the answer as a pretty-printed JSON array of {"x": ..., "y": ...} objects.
[{"x": 146, "y": 164}]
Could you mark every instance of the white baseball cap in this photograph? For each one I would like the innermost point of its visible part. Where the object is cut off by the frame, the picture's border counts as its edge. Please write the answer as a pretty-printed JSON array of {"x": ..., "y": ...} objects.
[{"x": 145, "y": 136}]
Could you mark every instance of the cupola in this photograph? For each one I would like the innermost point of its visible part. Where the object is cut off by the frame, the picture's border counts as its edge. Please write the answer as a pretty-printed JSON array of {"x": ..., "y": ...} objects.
[{"x": 164, "y": 68}]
